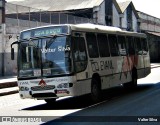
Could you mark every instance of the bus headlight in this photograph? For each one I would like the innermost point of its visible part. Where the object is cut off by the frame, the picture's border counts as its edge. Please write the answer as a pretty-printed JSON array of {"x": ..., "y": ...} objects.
[
  {"x": 22, "y": 88},
  {"x": 26, "y": 89},
  {"x": 63, "y": 85}
]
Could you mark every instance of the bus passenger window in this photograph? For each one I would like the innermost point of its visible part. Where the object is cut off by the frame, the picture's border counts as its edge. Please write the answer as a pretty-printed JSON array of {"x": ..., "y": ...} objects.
[
  {"x": 79, "y": 53},
  {"x": 144, "y": 46},
  {"x": 122, "y": 45},
  {"x": 92, "y": 45},
  {"x": 103, "y": 45},
  {"x": 138, "y": 46},
  {"x": 113, "y": 45},
  {"x": 130, "y": 45}
]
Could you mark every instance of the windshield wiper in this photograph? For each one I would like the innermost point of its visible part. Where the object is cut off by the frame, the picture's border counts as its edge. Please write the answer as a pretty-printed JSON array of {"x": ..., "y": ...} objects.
[{"x": 49, "y": 43}]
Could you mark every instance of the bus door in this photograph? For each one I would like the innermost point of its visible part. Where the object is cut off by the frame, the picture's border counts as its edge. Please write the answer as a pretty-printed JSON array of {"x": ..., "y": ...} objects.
[
  {"x": 145, "y": 54},
  {"x": 139, "y": 52},
  {"x": 133, "y": 59},
  {"x": 124, "y": 57},
  {"x": 116, "y": 59},
  {"x": 93, "y": 53},
  {"x": 80, "y": 61}
]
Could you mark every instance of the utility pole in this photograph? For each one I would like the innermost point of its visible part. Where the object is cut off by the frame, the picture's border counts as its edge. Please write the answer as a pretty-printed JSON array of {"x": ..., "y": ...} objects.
[{"x": 2, "y": 32}]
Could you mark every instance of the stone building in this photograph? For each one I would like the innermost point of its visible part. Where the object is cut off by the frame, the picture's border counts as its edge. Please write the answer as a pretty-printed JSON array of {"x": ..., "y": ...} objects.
[
  {"x": 151, "y": 26},
  {"x": 103, "y": 12}
]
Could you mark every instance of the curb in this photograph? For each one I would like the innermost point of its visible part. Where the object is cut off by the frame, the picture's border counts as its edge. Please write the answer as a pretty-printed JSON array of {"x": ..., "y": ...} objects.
[
  {"x": 8, "y": 84},
  {"x": 8, "y": 93},
  {"x": 7, "y": 88},
  {"x": 152, "y": 67}
]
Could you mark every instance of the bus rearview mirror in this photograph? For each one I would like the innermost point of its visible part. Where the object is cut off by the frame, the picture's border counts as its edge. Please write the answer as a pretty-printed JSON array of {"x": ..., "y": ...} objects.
[{"x": 12, "y": 53}]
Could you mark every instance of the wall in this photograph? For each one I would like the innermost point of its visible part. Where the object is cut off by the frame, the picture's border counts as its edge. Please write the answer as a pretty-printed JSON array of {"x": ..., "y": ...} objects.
[
  {"x": 1, "y": 54},
  {"x": 12, "y": 30},
  {"x": 149, "y": 23},
  {"x": 134, "y": 22},
  {"x": 124, "y": 20},
  {"x": 101, "y": 14},
  {"x": 154, "y": 45},
  {"x": 115, "y": 17}
]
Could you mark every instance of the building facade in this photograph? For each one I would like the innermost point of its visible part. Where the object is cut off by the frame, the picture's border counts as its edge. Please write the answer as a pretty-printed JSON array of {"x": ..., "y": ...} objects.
[{"x": 151, "y": 26}]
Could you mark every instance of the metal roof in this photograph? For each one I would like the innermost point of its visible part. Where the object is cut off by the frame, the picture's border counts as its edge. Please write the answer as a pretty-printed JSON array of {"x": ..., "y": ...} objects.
[
  {"x": 123, "y": 5},
  {"x": 59, "y": 5},
  {"x": 154, "y": 33}
]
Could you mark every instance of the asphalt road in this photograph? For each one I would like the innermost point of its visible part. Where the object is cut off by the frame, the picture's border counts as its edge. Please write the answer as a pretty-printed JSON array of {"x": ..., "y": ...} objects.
[{"x": 118, "y": 106}]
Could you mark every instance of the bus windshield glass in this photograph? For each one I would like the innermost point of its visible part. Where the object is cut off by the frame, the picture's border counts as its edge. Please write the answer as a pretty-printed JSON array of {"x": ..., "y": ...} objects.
[{"x": 46, "y": 56}]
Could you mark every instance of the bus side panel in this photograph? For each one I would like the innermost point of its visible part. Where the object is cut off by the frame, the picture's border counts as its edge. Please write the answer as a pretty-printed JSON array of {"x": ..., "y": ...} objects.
[
  {"x": 121, "y": 70},
  {"x": 103, "y": 67},
  {"x": 147, "y": 64},
  {"x": 140, "y": 66},
  {"x": 83, "y": 84}
]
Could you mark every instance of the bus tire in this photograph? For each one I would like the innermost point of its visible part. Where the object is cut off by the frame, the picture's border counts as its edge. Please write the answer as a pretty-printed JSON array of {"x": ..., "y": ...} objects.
[
  {"x": 133, "y": 83},
  {"x": 50, "y": 101},
  {"x": 95, "y": 90},
  {"x": 134, "y": 79}
]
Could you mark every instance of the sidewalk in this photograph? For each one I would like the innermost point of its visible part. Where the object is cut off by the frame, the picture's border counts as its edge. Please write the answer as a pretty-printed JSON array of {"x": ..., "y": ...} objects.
[
  {"x": 155, "y": 65},
  {"x": 8, "y": 85}
]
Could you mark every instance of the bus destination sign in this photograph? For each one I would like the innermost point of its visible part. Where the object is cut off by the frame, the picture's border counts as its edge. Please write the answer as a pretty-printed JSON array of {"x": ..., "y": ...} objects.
[{"x": 45, "y": 31}]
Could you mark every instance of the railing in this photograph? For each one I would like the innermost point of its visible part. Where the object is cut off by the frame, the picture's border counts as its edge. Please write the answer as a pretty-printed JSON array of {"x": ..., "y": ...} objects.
[{"x": 31, "y": 17}]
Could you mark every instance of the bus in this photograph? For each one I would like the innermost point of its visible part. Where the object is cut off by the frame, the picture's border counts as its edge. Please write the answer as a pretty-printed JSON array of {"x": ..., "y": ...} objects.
[{"x": 78, "y": 59}]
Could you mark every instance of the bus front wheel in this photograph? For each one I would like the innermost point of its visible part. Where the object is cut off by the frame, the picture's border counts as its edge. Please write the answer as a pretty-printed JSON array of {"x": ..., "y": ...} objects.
[{"x": 95, "y": 90}]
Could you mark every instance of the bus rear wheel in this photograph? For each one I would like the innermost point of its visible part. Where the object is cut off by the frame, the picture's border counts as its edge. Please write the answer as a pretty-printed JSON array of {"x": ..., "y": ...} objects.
[
  {"x": 50, "y": 101},
  {"x": 95, "y": 91},
  {"x": 133, "y": 83}
]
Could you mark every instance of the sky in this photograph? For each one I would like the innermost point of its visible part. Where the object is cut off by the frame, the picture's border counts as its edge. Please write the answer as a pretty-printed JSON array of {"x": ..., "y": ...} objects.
[{"x": 151, "y": 7}]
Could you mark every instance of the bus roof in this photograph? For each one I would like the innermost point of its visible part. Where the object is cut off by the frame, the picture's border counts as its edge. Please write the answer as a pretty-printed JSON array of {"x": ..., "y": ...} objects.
[
  {"x": 104, "y": 29},
  {"x": 88, "y": 27}
]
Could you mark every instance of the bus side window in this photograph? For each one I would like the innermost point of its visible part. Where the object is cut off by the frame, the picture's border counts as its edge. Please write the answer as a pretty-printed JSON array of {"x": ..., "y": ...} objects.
[
  {"x": 144, "y": 46},
  {"x": 138, "y": 46},
  {"x": 103, "y": 45},
  {"x": 122, "y": 45},
  {"x": 113, "y": 45},
  {"x": 79, "y": 53},
  {"x": 92, "y": 45},
  {"x": 130, "y": 45}
]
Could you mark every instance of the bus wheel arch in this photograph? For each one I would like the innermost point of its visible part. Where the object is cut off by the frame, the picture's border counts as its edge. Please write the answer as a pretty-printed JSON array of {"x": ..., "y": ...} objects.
[
  {"x": 134, "y": 78},
  {"x": 133, "y": 83},
  {"x": 96, "y": 88}
]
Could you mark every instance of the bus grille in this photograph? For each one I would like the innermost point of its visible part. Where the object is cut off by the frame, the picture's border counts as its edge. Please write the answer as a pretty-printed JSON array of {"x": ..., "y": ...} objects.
[
  {"x": 39, "y": 88},
  {"x": 43, "y": 95}
]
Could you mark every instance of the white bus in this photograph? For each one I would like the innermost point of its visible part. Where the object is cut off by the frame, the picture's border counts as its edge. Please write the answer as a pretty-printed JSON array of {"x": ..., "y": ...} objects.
[{"x": 72, "y": 60}]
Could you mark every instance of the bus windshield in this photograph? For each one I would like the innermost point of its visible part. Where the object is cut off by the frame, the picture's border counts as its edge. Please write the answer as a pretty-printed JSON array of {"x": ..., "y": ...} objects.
[{"x": 46, "y": 56}]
